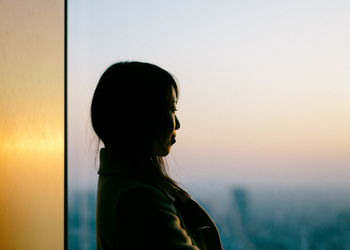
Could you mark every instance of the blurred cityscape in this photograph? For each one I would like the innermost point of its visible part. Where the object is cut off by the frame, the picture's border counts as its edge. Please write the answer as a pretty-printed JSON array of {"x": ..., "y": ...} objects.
[{"x": 247, "y": 220}]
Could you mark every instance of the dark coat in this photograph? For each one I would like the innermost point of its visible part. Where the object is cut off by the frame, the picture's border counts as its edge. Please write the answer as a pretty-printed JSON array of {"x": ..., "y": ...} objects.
[{"x": 133, "y": 213}]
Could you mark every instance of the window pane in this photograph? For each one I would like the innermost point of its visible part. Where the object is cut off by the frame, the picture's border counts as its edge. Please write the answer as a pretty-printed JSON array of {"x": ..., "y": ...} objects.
[
  {"x": 264, "y": 111},
  {"x": 31, "y": 124}
]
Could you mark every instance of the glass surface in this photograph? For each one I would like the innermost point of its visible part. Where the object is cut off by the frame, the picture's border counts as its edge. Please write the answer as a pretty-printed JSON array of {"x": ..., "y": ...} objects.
[
  {"x": 264, "y": 111},
  {"x": 31, "y": 124}
]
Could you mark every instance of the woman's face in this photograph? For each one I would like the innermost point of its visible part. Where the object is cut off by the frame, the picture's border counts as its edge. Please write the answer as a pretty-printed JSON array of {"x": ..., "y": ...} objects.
[{"x": 171, "y": 125}]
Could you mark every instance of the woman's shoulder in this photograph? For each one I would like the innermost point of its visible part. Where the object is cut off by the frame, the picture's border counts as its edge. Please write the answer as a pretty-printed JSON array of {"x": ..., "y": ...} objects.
[
  {"x": 145, "y": 191},
  {"x": 129, "y": 187},
  {"x": 148, "y": 195}
]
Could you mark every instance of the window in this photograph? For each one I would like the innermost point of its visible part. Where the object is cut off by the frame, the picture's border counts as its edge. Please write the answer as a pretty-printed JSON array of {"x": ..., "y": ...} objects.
[{"x": 264, "y": 88}]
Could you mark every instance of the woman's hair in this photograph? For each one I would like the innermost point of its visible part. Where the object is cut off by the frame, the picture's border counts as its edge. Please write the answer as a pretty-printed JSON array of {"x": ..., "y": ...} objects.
[{"x": 128, "y": 113}]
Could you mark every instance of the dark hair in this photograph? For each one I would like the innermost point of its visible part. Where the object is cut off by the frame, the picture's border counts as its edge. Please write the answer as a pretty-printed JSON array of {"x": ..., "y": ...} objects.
[{"x": 127, "y": 113}]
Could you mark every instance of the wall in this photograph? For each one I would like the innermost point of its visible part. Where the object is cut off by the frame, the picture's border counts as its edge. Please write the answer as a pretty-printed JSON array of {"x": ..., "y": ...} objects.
[{"x": 31, "y": 124}]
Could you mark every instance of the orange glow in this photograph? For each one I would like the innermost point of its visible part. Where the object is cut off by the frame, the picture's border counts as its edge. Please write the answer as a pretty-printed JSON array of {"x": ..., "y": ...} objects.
[{"x": 31, "y": 124}]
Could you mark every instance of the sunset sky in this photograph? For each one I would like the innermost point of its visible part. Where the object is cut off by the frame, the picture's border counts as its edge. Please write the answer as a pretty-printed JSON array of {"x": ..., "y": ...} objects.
[{"x": 264, "y": 85}]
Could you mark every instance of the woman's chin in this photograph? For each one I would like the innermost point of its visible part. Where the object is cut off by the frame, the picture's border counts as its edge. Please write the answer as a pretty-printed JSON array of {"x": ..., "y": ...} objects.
[{"x": 164, "y": 151}]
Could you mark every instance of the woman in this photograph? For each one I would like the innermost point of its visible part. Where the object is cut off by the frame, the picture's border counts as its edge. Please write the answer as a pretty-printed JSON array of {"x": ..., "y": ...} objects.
[{"x": 138, "y": 205}]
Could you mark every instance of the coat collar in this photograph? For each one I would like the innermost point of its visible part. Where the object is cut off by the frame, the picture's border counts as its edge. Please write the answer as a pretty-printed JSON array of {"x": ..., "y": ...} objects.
[{"x": 114, "y": 163}]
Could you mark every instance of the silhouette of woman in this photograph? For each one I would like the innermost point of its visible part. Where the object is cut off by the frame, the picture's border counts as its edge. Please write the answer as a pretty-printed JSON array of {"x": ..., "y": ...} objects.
[{"x": 138, "y": 205}]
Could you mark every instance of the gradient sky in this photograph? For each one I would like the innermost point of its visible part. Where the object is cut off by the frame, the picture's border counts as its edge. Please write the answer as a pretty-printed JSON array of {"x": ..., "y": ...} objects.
[{"x": 264, "y": 85}]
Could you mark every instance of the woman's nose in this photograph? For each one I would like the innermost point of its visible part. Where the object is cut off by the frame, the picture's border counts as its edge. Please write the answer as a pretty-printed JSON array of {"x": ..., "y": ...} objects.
[{"x": 177, "y": 123}]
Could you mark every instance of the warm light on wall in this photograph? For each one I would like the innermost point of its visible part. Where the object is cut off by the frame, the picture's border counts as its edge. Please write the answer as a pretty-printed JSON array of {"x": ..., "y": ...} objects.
[{"x": 32, "y": 124}]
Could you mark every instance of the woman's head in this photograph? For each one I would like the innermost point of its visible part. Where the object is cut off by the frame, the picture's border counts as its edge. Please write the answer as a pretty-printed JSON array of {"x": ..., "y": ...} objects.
[{"x": 133, "y": 109}]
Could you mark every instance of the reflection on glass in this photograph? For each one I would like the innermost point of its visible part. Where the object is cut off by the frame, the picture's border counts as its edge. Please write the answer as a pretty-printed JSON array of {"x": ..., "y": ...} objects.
[{"x": 31, "y": 124}]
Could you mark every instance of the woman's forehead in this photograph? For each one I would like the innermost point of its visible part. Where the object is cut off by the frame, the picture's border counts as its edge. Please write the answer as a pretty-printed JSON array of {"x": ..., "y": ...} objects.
[{"x": 173, "y": 95}]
